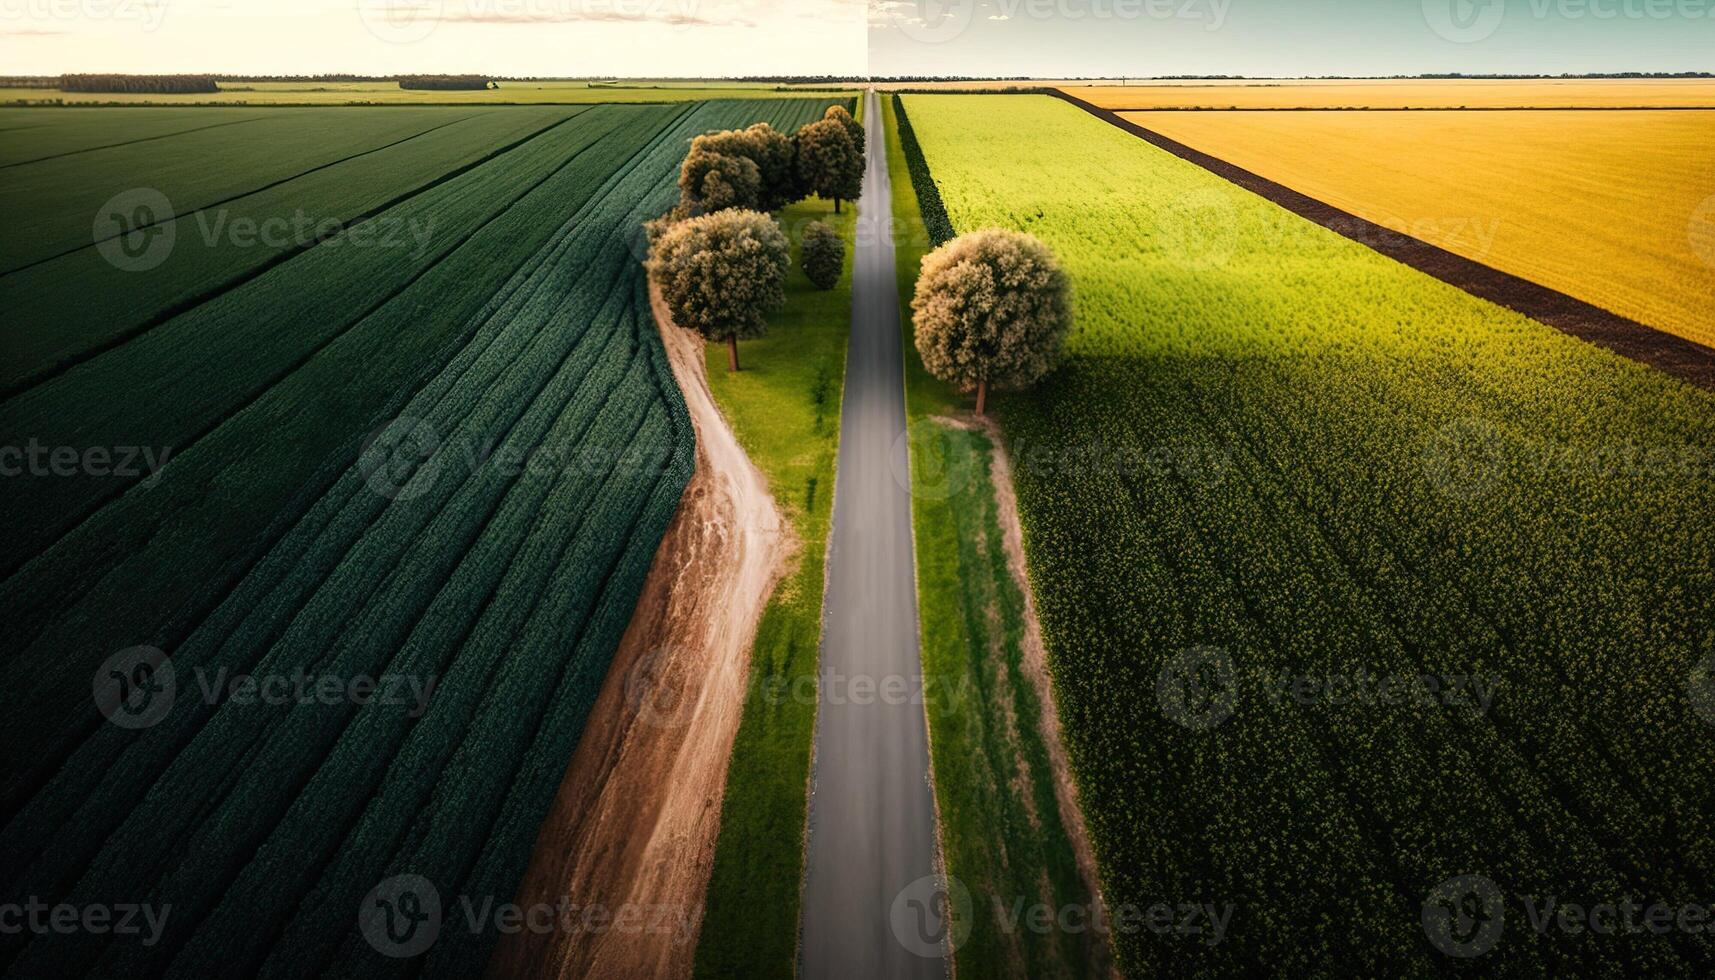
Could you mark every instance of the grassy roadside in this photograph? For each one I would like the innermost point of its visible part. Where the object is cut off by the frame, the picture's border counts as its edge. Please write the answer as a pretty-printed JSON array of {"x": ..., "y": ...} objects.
[
  {"x": 785, "y": 409},
  {"x": 1001, "y": 833}
]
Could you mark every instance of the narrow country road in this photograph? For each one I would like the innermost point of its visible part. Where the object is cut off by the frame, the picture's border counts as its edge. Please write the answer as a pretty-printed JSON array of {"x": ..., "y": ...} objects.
[{"x": 869, "y": 906}]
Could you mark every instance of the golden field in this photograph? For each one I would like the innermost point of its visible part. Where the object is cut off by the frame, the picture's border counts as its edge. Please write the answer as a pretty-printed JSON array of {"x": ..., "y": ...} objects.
[
  {"x": 1402, "y": 94},
  {"x": 1614, "y": 208}
]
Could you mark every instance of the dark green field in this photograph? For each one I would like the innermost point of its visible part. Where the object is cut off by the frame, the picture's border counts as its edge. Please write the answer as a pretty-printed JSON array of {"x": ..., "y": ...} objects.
[{"x": 433, "y": 438}]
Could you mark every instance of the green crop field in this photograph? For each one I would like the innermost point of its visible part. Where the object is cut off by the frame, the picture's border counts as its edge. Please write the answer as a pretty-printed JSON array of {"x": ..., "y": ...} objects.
[
  {"x": 433, "y": 439},
  {"x": 1276, "y": 468}
]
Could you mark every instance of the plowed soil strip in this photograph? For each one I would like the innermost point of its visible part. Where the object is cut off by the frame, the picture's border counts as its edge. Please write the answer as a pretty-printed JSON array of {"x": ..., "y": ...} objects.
[{"x": 1681, "y": 358}]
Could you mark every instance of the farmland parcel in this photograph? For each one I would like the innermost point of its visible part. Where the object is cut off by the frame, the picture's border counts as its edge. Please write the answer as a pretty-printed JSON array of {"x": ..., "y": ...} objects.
[
  {"x": 1276, "y": 469},
  {"x": 1614, "y": 208},
  {"x": 440, "y": 460}
]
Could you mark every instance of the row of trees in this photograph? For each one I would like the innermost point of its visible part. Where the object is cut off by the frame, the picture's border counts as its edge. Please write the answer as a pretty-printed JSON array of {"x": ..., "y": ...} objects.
[
  {"x": 718, "y": 258},
  {"x": 447, "y": 83},
  {"x": 138, "y": 83}
]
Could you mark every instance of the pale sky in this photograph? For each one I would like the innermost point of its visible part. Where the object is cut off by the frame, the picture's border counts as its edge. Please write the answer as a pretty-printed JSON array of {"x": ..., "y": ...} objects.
[
  {"x": 1009, "y": 38},
  {"x": 679, "y": 38}
]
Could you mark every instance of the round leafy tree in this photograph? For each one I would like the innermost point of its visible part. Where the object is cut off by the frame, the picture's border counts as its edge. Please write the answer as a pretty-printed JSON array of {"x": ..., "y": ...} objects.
[
  {"x": 853, "y": 128},
  {"x": 711, "y": 181},
  {"x": 829, "y": 163},
  {"x": 822, "y": 255},
  {"x": 773, "y": 154},
  {"x": 991, "y": 310},
  {"x": 720, "y": 275}
]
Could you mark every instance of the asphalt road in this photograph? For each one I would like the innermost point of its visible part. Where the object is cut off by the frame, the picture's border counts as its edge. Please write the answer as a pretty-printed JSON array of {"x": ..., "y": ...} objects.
[{"x": 872, "y": 823}]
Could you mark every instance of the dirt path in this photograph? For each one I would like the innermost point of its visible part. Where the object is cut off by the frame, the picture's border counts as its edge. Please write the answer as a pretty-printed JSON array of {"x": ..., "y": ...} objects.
[
  {"x": 1677, "y": 356},
  {"x": 635, "y": 821}
]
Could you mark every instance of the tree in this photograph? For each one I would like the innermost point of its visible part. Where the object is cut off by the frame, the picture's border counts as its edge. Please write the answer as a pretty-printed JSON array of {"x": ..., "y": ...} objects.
[
  {"x": 711, "y": 181},
  {"x": 822, "y": 255},
  {"x": 720, "y": 274},
  {"x": 991, "y": 309},
  {"x": 773, "y": 154},
  {"x": 828, "y": 162},
  {"x": 854, "y": 129}
]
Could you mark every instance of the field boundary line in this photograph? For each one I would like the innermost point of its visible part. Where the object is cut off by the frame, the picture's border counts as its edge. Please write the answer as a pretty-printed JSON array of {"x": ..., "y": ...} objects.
[
  {"x": 141, "y": 139},
  {"x": 1684, "y": 359}
]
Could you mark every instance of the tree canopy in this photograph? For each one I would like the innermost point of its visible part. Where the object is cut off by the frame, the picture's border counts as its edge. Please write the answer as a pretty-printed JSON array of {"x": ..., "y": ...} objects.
[
  {"x": 992, "y": 308},
  {"x": 721, "y": 274}
]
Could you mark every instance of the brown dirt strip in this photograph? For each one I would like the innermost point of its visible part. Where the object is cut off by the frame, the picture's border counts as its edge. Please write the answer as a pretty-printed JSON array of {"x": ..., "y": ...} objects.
[
  {"x": 1677, "y": 356},
  {"x": 631, "y": 837}
]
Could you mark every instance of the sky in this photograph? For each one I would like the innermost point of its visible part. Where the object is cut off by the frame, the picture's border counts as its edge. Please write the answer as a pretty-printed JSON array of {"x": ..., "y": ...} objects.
[{"x": 1005, "y": 38}]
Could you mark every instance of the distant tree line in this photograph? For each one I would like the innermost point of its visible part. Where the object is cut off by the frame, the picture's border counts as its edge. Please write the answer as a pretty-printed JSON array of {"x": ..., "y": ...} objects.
[
  {"x": 138, "y": 83},
  {"x": 447, "y": 83}
]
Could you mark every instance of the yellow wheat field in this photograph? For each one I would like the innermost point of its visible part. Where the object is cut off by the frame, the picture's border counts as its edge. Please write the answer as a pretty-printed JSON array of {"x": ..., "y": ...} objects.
[
  {"x": 1403, "y": 94},
  {"x": 1615, "y": 208}
]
